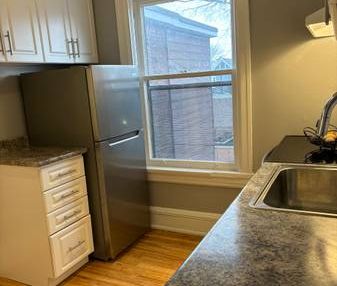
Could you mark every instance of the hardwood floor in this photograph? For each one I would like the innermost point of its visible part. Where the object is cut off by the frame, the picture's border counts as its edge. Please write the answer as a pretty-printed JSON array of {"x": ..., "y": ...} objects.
[{"x": 150, "y": 262}]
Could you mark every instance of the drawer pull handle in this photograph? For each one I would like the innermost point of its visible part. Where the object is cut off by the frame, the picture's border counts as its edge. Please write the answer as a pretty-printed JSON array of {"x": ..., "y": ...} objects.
[
  {"x": 69, "y": 194},
  {"x": 70, "y": 249},
  {"x": 75, "y": 213},
  {"x": 62, "y": 174}
]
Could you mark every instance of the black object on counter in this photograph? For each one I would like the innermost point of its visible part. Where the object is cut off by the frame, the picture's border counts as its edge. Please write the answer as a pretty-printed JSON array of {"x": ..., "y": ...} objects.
[{"x": 298, "y": 150}]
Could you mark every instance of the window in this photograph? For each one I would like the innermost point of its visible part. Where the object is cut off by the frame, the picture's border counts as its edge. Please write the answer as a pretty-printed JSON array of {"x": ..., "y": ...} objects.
[{"x": 194, "y": 96}]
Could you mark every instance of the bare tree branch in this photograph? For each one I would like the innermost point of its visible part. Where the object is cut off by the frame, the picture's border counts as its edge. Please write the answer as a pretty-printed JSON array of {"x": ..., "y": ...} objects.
[
  {"x": 219, "y": 5},
  {"x": 210, "y": 1}
]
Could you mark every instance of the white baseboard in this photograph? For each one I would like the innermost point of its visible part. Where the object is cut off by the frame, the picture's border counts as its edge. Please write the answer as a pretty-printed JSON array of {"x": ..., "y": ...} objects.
[{"x": 182, "y": 221}]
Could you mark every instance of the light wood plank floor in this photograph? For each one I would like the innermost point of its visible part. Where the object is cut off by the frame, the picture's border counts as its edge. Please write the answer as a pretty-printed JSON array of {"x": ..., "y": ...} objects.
[{"x": 150, "y": 262}]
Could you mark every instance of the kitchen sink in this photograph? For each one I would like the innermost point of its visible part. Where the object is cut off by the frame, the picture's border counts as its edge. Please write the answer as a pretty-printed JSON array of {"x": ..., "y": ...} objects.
[{"x": 308, "y": 190}]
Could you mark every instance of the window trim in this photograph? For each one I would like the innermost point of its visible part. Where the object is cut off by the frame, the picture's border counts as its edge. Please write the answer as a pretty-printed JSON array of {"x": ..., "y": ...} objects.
[
  {"x": 241, "y": 77},
  {"x": 198, "y": 177},
  {"x": 188, "y": 74}
]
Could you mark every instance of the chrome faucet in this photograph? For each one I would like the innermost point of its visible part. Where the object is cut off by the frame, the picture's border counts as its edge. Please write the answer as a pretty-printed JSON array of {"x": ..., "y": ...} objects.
[{"x": 323, "y": 123}]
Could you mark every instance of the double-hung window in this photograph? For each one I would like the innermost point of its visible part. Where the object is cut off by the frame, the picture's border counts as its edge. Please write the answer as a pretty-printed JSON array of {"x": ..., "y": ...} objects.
[{"x": 194, "y": 81}]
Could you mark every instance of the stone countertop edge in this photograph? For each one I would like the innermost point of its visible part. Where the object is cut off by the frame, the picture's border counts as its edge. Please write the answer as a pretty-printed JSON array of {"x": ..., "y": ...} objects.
[
  {"x": 250, "y": 246},
  {"x": 37, "y": 156}
]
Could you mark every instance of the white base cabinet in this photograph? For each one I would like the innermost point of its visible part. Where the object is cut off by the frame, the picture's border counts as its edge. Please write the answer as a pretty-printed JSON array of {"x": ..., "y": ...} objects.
[{"x": 45, "y": 223}]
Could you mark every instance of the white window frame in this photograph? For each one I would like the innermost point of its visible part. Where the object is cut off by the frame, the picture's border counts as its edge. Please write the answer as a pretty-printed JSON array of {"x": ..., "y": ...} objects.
[{"x": 131, "y": 45}]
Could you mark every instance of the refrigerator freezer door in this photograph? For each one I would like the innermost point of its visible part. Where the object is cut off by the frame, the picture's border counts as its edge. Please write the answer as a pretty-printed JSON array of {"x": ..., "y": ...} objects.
[
  {"x": 115, "y": 101},
  {"x": 122, "y": 167}
]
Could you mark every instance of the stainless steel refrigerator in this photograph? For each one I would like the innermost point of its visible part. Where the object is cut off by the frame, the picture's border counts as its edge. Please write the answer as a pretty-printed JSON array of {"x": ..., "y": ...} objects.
[{"x": 97, "y": 107}]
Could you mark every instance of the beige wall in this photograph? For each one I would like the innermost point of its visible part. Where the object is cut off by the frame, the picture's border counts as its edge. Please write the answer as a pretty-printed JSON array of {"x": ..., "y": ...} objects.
[
  {"x": 106, "y": 30},
  {"x": 194, "y": 198},
  {"x": 12, "y": 121},
  {"x": 11, "y": 115},
  {"x": 292, "y": 73}
]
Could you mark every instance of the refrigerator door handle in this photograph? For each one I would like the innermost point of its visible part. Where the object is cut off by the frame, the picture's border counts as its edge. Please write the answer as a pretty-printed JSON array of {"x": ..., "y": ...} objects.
[{"x": 125, "y": 140}]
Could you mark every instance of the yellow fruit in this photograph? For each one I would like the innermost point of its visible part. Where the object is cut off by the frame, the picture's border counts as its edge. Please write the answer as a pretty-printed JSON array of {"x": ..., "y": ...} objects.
[
  {"x": 332, "y": 133},
  {"x": 330, "y": 138}
]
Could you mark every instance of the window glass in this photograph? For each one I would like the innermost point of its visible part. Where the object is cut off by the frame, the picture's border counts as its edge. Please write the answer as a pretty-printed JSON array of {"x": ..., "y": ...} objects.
[
  {"x": 192, "y": 119},
  {"x": 188, "y": 36}
]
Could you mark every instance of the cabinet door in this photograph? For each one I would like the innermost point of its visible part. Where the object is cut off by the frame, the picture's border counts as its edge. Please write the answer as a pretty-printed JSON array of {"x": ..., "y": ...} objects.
[
  {"x": 21, "y": 31},
  {"x": 83, "y": 30},
  {"x": 55, "y": 28},
  {"x": 71, "y": 245}
]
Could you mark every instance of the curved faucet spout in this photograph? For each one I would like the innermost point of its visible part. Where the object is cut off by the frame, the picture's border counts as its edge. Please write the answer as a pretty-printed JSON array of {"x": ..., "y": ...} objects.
[{"x": 323, "y": 123}]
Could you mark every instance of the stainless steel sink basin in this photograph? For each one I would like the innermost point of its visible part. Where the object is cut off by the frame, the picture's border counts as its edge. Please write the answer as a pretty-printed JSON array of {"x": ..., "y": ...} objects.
[{"x": 301, "y": 189}]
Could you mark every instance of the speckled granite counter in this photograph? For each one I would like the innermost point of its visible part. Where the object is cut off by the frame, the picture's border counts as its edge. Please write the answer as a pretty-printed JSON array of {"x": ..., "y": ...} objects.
[
  {"x": 18, "y": 153},
  {"x": 251, "y": 246}
]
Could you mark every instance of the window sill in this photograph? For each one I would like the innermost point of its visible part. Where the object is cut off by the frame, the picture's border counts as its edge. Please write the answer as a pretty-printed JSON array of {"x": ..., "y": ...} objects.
[{"x": 198, "y": 177}]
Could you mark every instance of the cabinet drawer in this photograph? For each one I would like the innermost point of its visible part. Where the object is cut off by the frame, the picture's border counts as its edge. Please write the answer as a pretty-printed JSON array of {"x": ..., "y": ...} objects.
[
  {"x": 67, "y": 215},
  {"x": 60, "y": 196},
  {"x": 71, "y": 245},
  {"x": 62, "y": 172}
]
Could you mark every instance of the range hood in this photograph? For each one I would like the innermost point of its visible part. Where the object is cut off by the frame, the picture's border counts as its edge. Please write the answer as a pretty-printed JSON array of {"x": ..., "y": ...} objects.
[{"x": 323, "y": 23}]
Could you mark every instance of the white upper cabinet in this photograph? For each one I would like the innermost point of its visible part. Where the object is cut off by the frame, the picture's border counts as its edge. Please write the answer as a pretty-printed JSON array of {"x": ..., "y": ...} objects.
[
  {"x": 50, "y": 31},
  {"x": 20, "y": 31},
  {"x": 83, "y": 30},
  {"x": 56, "y": 32}
]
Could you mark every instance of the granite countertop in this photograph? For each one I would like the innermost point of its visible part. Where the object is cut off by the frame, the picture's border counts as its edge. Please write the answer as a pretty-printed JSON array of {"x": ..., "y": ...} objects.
[
  {"x": 19, "y": 153},
  {"x": 251, "y": 246}
]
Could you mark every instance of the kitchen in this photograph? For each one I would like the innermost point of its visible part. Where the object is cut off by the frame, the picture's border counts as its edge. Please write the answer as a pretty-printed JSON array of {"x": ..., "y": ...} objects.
[{"x": 292, "y": 76}]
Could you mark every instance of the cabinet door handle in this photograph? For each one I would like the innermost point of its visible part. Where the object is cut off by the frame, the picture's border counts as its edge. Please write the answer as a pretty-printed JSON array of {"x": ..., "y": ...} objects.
[
  {"x": 2, "y": 50},
  {"x": 8, "y": 36},
  {"x": 70, "y": 47},
  {"x": 77, "y": 42}
]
